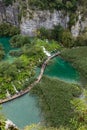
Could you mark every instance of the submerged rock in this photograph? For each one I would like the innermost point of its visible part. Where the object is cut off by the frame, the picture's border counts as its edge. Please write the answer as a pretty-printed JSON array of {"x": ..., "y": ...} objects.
[{"x": 10, "y": 125}]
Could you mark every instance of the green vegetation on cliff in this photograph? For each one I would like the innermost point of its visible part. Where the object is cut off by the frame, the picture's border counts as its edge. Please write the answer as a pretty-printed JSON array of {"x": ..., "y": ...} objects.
[
  {"x": 8, "y": 30},
  {"x": 8, "y": 2},
  {"x": 56, "y": 4}
]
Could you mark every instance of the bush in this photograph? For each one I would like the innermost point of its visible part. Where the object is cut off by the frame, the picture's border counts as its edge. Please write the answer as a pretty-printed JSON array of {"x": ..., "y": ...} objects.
[
  {"x": 19, "y": 40},
  {"x": 2, "y": 53},
  {"x": 67, "y": 39},
  {"x": 56, "y": 4},
  {"x": 44, "y": 33},
  {"x": 57, "y": 32},
  {"x": 8, "y": 30},
  {"x": 8, "y": 2},
  {"x": 81, "y": 40},
  {"x": 16, "y": 53}
]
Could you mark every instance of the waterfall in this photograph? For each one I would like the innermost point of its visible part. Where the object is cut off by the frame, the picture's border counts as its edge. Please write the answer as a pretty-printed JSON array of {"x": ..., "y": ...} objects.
[
  {"x": 14, "y": 88},
  {"x": 8, "y": 95},
  {"x": 46, "y": 52}
]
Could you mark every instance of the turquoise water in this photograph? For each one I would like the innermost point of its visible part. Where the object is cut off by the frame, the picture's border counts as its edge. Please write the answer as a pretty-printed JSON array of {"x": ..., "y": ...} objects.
[
  {"x": 63, "y": 70},
  {"x": 5, "y": 42},
  {"x": 23, "y": 111},
  {"x": 7, "y": 47}
]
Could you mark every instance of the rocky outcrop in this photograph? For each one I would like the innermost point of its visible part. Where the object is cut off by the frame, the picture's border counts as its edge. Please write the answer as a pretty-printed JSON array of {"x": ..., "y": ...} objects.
[
  {"x": 79, "y": 26},
  {"x": 10, "y": 125},
  {"x": 45, "y": 18},
  {"x": 48, "y": 19},
  {"x": 9, "y": 14},
  {"x": 36, "y": 19}
]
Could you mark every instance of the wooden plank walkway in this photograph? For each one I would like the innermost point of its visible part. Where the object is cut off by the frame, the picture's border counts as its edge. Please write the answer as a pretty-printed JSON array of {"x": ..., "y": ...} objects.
[{"x": 21, "y": 93}]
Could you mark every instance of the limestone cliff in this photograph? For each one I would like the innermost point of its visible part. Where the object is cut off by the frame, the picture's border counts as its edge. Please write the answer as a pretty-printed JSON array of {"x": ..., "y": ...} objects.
[
  {"x": 35, "y": 19},
  {"x": 48, "y": 19},
  {"x": 44, "y": 18},
  {"x": 9, "y": 14}
]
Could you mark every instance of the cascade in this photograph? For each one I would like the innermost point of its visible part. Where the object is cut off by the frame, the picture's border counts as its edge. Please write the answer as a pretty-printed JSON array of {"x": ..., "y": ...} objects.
[
  {"x": 14, "y": 88},
  {"x": 46, "y": 52},
  {"x": 8, "y": 95}
]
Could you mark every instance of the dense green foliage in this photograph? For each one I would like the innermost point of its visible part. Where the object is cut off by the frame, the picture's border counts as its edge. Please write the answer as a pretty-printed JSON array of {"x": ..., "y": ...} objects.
[
  {"x": 78, "y": 57},
  {"x": 12, "y": 75},
  {"x": 8, "y": 2},
  {"x": 67, "y": 39},
  {"x": 55, "y": 33},
  {"x": 39, "y": 127},
  {"x": 20, "y": 73},
  {"x": 55, "y": 97},
  {"x": 81, "y": 39},
  {"x": 80, "y": 119},
  {"x": 2, "y": 53},
  {"x": 19, "y": 40},
  {"x": 8, "y": 30},
  {"x": 56, "y": 4},
  {"x": 59, "y": 34}
]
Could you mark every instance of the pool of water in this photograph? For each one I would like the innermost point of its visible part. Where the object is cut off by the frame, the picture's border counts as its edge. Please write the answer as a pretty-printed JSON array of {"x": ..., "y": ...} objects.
[
  {"x": 63, "y": 70},
  {"x": 23, "y": 111},
  {"x": 7, "y": 47}
]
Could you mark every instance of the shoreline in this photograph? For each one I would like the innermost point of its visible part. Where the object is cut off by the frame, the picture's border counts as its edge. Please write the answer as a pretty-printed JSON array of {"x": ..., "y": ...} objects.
[{"x": 21, "y": 93}]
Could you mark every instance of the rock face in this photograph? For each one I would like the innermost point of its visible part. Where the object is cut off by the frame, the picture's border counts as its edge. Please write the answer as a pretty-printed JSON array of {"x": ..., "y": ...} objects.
[
  {"x": 36, "y": 19},
  {"x": 10, "y": 125},
  {"x": 9, "y": 14},
  {"x": 79, "y": 26},
  {"x": 43, "y": 19},
  {"x": 48, "y": 19}
]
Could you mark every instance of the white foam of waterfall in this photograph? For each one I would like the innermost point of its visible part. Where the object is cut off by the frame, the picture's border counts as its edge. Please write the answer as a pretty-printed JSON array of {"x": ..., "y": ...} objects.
[
  {"x": 8, "y": 95},
  {"x": 45, "y": 51},
  {"x": 14, "y": 88}
]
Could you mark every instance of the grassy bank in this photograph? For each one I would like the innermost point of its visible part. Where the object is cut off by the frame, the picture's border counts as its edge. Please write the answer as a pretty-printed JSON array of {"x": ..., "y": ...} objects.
[
  {"x": 54, "y": 99},
  {"x": 78, "y": 57}
]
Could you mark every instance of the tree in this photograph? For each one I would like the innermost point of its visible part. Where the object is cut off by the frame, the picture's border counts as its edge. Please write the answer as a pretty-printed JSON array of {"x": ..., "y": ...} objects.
[
  {"x": 67, "y": 39},
  {"x": 57, "y": 32}
]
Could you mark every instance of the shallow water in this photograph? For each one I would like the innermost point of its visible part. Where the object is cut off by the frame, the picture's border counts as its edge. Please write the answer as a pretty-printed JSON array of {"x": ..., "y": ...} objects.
[
  {"x": 22, "y": 111},
  {"x": 7, "y": 47}
]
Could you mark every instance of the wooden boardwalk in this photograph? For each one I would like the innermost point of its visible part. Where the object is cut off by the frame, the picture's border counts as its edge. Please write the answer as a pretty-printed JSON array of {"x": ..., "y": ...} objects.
[{"x": 21, "y": 93}]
